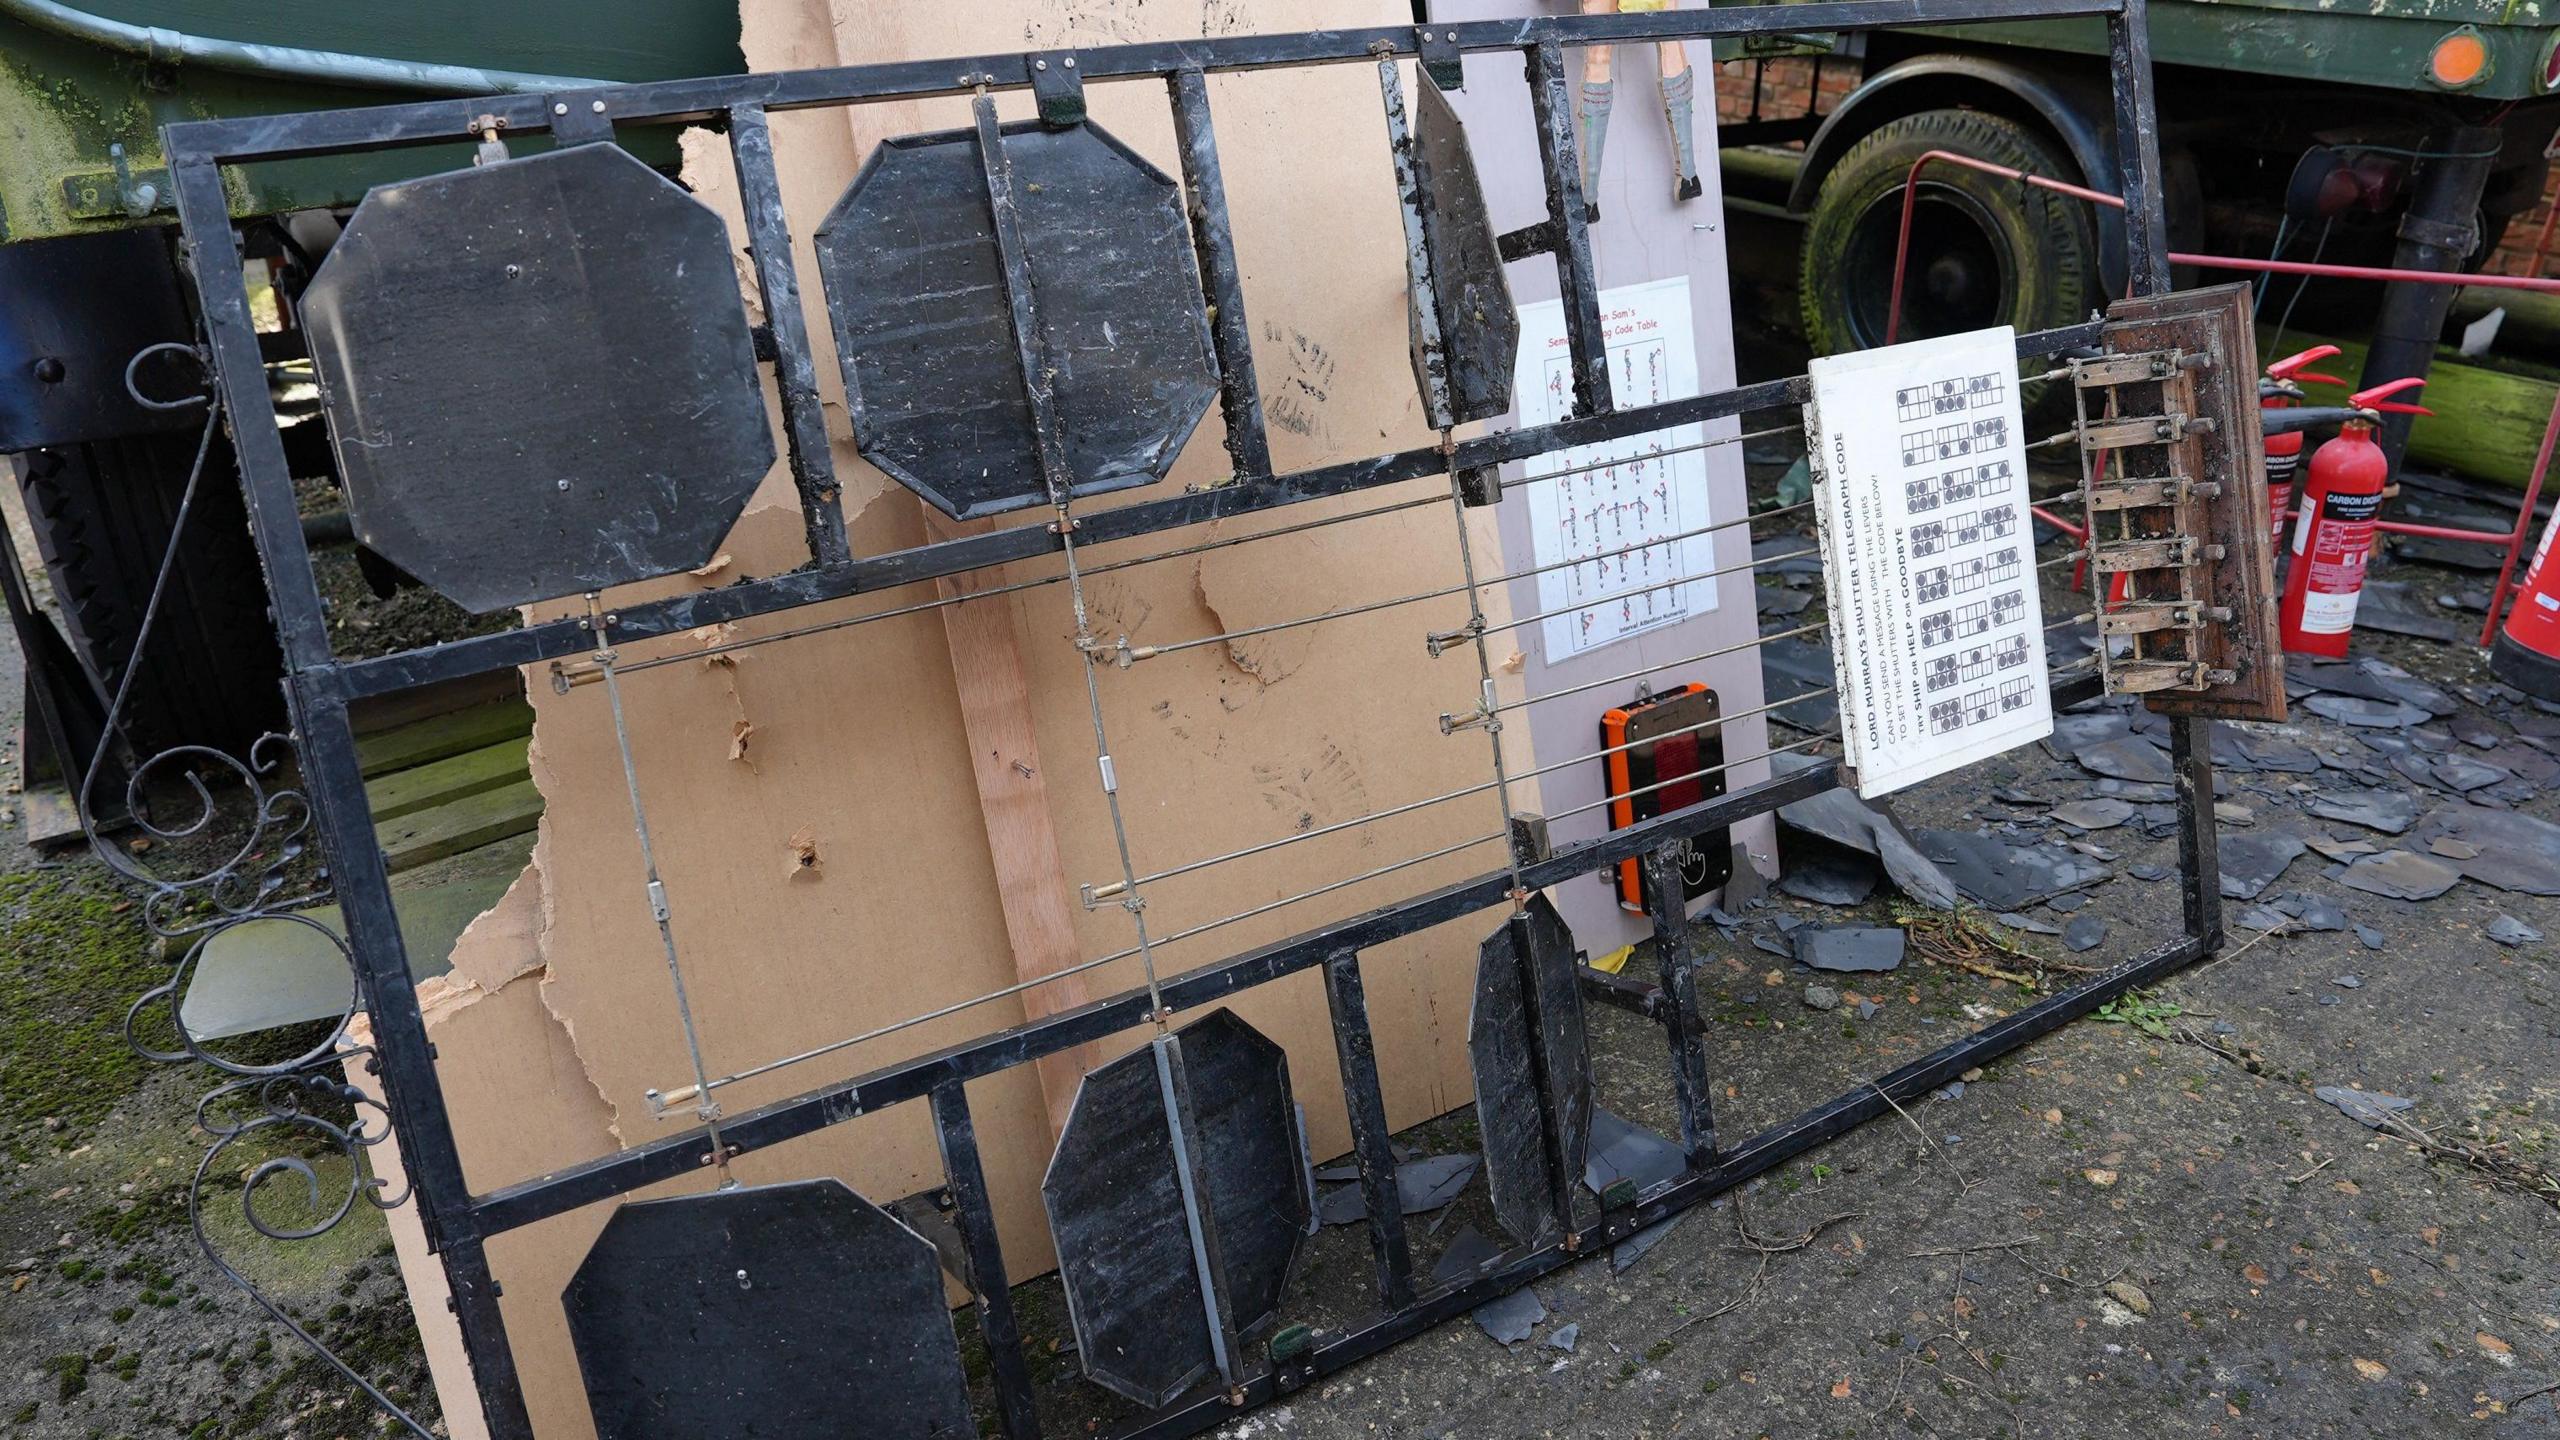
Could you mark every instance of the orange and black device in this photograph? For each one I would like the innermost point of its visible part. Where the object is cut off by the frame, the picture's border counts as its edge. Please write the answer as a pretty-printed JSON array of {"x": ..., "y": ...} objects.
[{"x": 1665, "y": 753}]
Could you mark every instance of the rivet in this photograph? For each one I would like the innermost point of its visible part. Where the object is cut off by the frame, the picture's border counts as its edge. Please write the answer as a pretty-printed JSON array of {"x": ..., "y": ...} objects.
[
  {"x": 1039, "y": 64},
  {"x": 597, "y": 106},
  {"x": 564, "y": 485},
  {"x": 1069, "y": 62},
  {"x": 561, "y": 108}
]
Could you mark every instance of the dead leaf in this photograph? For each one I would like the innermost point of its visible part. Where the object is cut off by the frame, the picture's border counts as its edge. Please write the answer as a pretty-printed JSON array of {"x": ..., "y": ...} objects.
[
  {"x": 2100, "y": 1177},
  {"x": 2053, "y": 1117},
  {"x": 2492, "y": 1344},
  {"x": 2431, "y": 1234},
  {"x": 2254, "y": 1273},
  {"x": 2371, "y": 1369},
  {"x": 1841, "y": 1390},
  {"x": 804, "y": 854}
]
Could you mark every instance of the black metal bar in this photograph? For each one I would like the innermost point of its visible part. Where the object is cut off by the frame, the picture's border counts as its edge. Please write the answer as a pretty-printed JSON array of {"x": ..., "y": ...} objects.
[
  {"x": 770, "y": 1125},
  {"x": 1621, "y": 992},
  {"x": 2146, "y": 228},
  {"x": 795, "y": 368},
  {"x": 974, "y": 1211},
  {"x": 1666, "y": 898},
  {"x": 1752, "y": 1158},
  {"x": 1030, "y": 349},
  {"x": 1221, "y": 277},
  {"x": 557, "y": 639},
  {"x": 277, "y": 137},
  {"x": 1568, "y": 210},
  {"x": 1208, "y": 1253},
  {"x": 1357, "y": 1047},
  {"x": 333, "y": 778}
]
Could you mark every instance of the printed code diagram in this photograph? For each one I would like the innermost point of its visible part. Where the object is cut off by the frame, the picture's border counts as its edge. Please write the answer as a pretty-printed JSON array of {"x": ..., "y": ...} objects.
[
  {"x": 1954, "y": 442},
  {"x": 1980, "y": 706},
  {"x": 1948, "y": 397},
  {"x": 1977, "y": 662},
  {"x": 1963, "y": 622}
]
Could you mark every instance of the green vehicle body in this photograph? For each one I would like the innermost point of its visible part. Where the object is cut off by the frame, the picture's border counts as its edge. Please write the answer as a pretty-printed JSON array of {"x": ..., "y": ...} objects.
[{"x": 67, "y": 105}]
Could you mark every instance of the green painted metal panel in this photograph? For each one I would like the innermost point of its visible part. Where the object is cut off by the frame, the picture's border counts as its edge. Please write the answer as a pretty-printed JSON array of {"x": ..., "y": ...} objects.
[
  {"x": 2379, "y": 43},
  {"x": 64, "y": 103}
]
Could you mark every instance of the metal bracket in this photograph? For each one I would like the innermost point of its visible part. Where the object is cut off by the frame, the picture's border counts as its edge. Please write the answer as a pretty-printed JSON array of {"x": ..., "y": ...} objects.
[
  {"x": 1530, "y": 844},
  {"x": 579, "y": 119},
  {"x": 1442, "y": 60},
  {"x": 1058, "y": 87}
]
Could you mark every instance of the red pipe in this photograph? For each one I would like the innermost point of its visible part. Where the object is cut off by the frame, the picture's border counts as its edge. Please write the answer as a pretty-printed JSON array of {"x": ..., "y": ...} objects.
[{"x": 2513, "y": 539}]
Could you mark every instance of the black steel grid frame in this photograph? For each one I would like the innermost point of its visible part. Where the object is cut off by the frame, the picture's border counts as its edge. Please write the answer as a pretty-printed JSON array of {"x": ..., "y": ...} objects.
[{"x": 320, "y": 686}]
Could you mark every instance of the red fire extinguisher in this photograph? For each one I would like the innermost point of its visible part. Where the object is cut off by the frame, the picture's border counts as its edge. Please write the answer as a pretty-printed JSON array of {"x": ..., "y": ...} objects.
[
  {"x": 2282, "y": 390},
  {"x": 2333, "y": 530},
  {"x": 2527, "y": 654}
]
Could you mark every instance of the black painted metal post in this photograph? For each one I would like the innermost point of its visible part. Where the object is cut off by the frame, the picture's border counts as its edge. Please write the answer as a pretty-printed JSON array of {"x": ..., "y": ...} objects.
[
  {"x": 795, "y": 368},
  {"x": 1213, "y": 239},
  {"x": 958, "y": 1136},
  {"x": 1664, "y": 895},
  {"x": 2439, "y": 232},
  {"x": 1200, "y": 1214},
  {"x": 1357, "y": 1046},
  {"x": 1424, "y": 295},
  {"x": 334, "y": 778},
  {"x": 2147, "y": 273},
  {"x": 1568, "y": 210},
  {"x": 1542, "y": 1071}
]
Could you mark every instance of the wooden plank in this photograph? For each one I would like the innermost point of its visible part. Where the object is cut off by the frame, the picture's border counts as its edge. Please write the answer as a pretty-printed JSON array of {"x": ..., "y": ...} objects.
[
  {"x": 437, "y": 736},
  {"x": 405, "y": 792},
  {"x": 1013, "y": 800},
  {"x": 461, "y": 824}
]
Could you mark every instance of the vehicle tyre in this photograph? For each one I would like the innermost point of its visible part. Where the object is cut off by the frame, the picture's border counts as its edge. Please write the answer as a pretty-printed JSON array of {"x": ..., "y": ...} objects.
[{"x": 1984, "y": 250}]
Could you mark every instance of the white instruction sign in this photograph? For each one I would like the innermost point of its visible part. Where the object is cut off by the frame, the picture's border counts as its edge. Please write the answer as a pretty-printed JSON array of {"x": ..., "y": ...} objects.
[
  {"x": 1937, "y": 633},
  {"x": 1615, "y": 526}
]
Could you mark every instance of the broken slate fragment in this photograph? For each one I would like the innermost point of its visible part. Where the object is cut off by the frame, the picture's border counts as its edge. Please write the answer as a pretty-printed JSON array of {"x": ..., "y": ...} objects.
[
  {"x": 2093, "y": 814},
  {"x": 2349, "y": 982},
  {"x": 2264, "y": 917},
  {"x": 2322, "y": 914},
  {"x": 2004, "y": 876},
  {"x": 2085, "y": 932},
  {"x": 2147, "y": 871},
  {"x": 2399, "y": 875},
  {"x": 2371, "y": 937},
  {"x": 1563, "y": 1336},
  {"x": 1511, "y": 1318},
  {"x": 1821, "y": 997},
  {"x": 2252, "y": 862},
  {"x": 2508, "y": 930},
  {"x": 2343, "y": 851},
  {"x": 1623, "y": 1150},
  {"x": 1847, "y": 948},
  {"x": 1422, "y": 1185},
  {"x": 1632, "y": 1249},
  {"x": 1829, "y": 875},
  {"x": 2065, "y": 904},
  {"x": 2518, "y": 852},
  {"x": 2464, "y": 774},
  {"x": 2128, "y": 757},
  {"x": 2017, "y": 921},
  {"x": 2389, "y": 811},
  {"x": 2356, "y": 710},
  {"x": 1840, "y": 817},
  {"x": 2369, "y": 1107},
  {"x": 1469, "y": 1252}
]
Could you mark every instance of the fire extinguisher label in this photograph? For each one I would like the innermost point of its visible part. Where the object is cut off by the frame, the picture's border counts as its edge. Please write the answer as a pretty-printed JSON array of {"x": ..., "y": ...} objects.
[{"x": 2341, "y": 541}]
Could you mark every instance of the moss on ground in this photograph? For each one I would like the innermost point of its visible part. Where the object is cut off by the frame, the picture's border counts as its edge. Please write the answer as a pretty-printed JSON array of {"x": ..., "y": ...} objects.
[{"x": 77, "y": 957}]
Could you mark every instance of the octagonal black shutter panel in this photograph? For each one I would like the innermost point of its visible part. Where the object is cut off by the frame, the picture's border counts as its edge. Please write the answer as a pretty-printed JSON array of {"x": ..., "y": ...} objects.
[
  {"x": 933, "y": 381},
  {"x": 538, "y": 377},
  {"x": 776, "y": 1312}
]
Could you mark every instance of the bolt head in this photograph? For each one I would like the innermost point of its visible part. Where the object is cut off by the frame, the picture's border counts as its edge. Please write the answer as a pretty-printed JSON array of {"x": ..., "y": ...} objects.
[
  {"x": 560, "y": 108},
  {"x": 596, "y": 106}
]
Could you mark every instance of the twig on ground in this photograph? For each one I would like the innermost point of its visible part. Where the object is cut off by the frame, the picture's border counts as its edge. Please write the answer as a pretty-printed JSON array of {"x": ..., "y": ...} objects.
[
  {"x": 2314, "y": 1170},
  {"x": 1963, "y": 1180},
  {"x": 1969, "y": 1249}
]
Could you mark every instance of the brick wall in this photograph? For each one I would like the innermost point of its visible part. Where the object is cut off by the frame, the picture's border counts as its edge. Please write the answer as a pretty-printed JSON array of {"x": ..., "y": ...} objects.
[
  {"x": 2515, "y": 256},
  {"x": 1788, "y": 88}
]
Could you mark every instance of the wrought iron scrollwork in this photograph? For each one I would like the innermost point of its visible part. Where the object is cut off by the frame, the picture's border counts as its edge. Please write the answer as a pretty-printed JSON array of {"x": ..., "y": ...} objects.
[{"x": 230, "y": 840}]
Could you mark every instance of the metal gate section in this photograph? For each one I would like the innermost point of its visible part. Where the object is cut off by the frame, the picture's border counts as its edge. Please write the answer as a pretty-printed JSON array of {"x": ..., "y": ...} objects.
[{"x": 541, "y": 383}]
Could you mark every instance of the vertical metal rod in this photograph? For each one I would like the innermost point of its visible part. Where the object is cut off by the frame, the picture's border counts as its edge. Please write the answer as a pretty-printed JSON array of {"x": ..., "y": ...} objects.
[
  {"x": 1437, "y": 409},
  {"x": 795, "y": 368},
  {"x": 1561, "y": 1176},
  {"x": 705, "y": 1106},
  {"x": 2146, "y": 229},
  {"x": 1039, "y": 390},
  {"x": 975, "y": 1210},
  {"x": 335, "y": 784},
  {"x": 2147, "y": 273},
  {"x": 1357, "y": 1047},
  {"x": 1678, "y": 960},
  {"x": 1199, "y": 1211},
  {"x": 1550, "y": 97},
  {"x": 1213, "y": 239}
]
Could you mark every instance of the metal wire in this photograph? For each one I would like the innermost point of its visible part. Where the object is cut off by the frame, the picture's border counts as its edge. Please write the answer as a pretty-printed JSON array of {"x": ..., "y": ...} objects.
[
  {"x": 1653, "y": 669},
  {"x": 1693, "y": 775},
  {"x": 1703, "y": 575}
]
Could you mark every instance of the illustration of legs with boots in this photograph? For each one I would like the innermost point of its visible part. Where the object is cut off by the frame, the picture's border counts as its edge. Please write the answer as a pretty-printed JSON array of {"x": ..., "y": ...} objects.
[{"x": 1599, "y": 91}]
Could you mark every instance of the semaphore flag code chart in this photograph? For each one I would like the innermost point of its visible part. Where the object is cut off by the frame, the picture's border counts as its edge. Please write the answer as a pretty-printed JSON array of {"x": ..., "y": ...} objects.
[{"x": 1937, "y": 632}]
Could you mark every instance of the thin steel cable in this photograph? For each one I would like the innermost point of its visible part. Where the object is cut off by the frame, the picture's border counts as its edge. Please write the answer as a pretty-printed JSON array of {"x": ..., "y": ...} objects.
[
  {"x": 704, "y": 1108},
  {"x": 1691, "y": 776},
  {"x": 1699, "y": 577},
  {"x": 1655, "y": 669},
  {"x": 1487, "y": 712}
]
